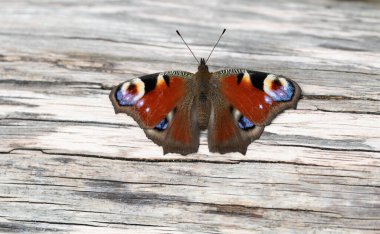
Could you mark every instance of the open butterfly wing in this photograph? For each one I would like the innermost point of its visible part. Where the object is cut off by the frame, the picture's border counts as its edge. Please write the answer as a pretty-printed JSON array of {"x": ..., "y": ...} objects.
[
  {"x": 246, "y": 102},
  {"x": 162, "y": 105}
]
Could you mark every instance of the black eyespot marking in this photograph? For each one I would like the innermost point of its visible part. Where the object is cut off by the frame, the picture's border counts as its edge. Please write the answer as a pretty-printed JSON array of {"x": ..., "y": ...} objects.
[
  {"x": 150, "y": 82},
  {"x": 132, "y": 86},
  {"x": 245, "y": 124},
  {"x": 240, "y": 77},
  {"x": 163, "y": 125},
  {"x": 257, "y": 79},
  {"x": 167, "y": 80}
]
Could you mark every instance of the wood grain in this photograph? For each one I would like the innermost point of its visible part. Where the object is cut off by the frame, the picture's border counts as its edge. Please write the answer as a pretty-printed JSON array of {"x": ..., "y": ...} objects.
[{"x": 68, "y": 164}]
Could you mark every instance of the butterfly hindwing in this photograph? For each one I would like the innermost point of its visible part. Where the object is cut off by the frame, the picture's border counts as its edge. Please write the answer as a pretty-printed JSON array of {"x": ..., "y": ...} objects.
[
  {"x": 228, "y": 130},
  {"x": 245, "y": 102},
  {"x": 162, "y": 104}
]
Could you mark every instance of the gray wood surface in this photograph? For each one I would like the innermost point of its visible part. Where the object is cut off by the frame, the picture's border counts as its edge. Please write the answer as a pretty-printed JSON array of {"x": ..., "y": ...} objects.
[{"x": 69, "y": 164}]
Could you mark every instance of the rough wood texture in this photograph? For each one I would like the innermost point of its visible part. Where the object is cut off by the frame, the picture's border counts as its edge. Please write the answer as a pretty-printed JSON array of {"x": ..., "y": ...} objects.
[{"x": 68, "y": 164}]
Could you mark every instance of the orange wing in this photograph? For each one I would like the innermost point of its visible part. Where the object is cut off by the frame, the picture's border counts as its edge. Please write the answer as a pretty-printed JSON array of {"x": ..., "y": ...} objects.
[
  {"x": 259, "y": 96},
  {"x": 246, "y": 101},
  {"x": 149, "y": 98},
  {"x": 162, "y": 104}
]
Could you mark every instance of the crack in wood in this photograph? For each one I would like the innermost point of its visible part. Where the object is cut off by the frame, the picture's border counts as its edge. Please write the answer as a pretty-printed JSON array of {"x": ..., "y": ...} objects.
[
  {"x": 350, "y": 185},
  {"x": 40, "y": 184},
  {"x": 339, "y": 71},
  {"x": 349, "y": 112},
  {"x": 102, "y": 39},
  {"x": 105, "y": 67},
  {"x": 87, "y": 211},
  {"x": 233, "y": 207},
  {"x": 76, "y": 122},
  {"x": 322, "y": 148},
  {"x": 124, "y": 182},
  {"x": 54, "y": 222},
  {"x": 162, "y": 160},
  {"x": 128, "y": 197},
  {"x": 335, "y": 97},
  {"x": 16, "y": 227},
  {"x": 38, "y": 202},
  {"x": 129, "y": 224},
  {"x": 40, "y": 83}
]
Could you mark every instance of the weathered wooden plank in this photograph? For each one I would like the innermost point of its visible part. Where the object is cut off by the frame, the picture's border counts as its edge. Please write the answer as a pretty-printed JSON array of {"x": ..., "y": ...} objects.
[
  {"x": 68, "y": 164},
  {"x": 253, "y": 193}
]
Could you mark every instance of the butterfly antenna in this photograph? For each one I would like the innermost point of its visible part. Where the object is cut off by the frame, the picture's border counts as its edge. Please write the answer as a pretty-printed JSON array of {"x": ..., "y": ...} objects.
[
  {"x": 224, "y": 30},
  {"x": 187, "y": 46}
]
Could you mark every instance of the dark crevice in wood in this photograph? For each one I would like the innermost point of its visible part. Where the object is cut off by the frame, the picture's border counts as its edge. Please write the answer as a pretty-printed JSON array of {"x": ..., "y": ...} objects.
[
  {"x": 238, "y": 210},
  {"x": 234, "y": 210},
  {"x": 349, "y": 112},
  {"x": 283, "y": 162},
  {"x": 40, "y": 83},
  {"x": 62, "y": 63},
  {"x": 229, "y": 207},
  {"x": 124, "y": 182},
  {"x": 132, "y": 198},
  {"x": 87, "y": 211},
  {"x": 68, "y": 64},
  {"x": 8, "y": 197},
  {"x": 338, "y": 71},
  {"x": 334, "y": 97},
  {"x": 322, "y": 148},
  {"x": 338, "y": 47},
  {"x": 76, "y": 122},
  {"x": 158, "y": 160},
  {"x": 163, "y": 160},
  {"x": 350, "y": 185},
  {"x": 192, "y": 160},
  {"x": 14, "y": 227},
  {"x": 40, "y": 184},
  {"x": 15, "y": 103},
  {"x": 129, "y": 224},
  {"x": 87, "y": 39},
  {"x": 330, "y": 175},
  {"x": 54, "y": 222},
  {"x": 40, "y": 203}
]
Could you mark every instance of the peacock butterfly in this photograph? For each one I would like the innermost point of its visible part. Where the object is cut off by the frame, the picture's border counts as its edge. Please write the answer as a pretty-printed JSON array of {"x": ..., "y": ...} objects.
[{"x": 234, "y": 105}]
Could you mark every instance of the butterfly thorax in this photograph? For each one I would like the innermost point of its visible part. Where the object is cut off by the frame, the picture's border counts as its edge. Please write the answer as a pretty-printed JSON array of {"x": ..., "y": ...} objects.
[{"x": 202, "y": 97}]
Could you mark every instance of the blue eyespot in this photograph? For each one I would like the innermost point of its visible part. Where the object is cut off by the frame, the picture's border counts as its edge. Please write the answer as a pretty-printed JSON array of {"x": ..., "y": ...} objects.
[
  {"x": 162, "y": 125},
  {"x": 245, "y": 124},
  {"x": 120, "y": 99},
  {"x": 283, "y": 94},
  {"x": 125, "y": 99}
]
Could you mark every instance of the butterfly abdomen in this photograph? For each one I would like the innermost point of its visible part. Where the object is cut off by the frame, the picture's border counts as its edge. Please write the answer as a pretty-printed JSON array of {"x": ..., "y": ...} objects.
[
  {"x": 203, "y": 104},
  {"x": 203, "y": 111}
]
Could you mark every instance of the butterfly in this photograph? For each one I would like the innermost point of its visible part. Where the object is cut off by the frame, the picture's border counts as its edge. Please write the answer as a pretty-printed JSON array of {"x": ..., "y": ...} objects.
[{"x": 234, "y": 105}]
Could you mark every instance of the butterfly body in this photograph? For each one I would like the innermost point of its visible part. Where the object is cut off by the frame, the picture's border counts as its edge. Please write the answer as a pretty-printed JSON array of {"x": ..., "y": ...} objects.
[
  {"x": 201, "y": 81},
  {"x": 234, "y": 105}
]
